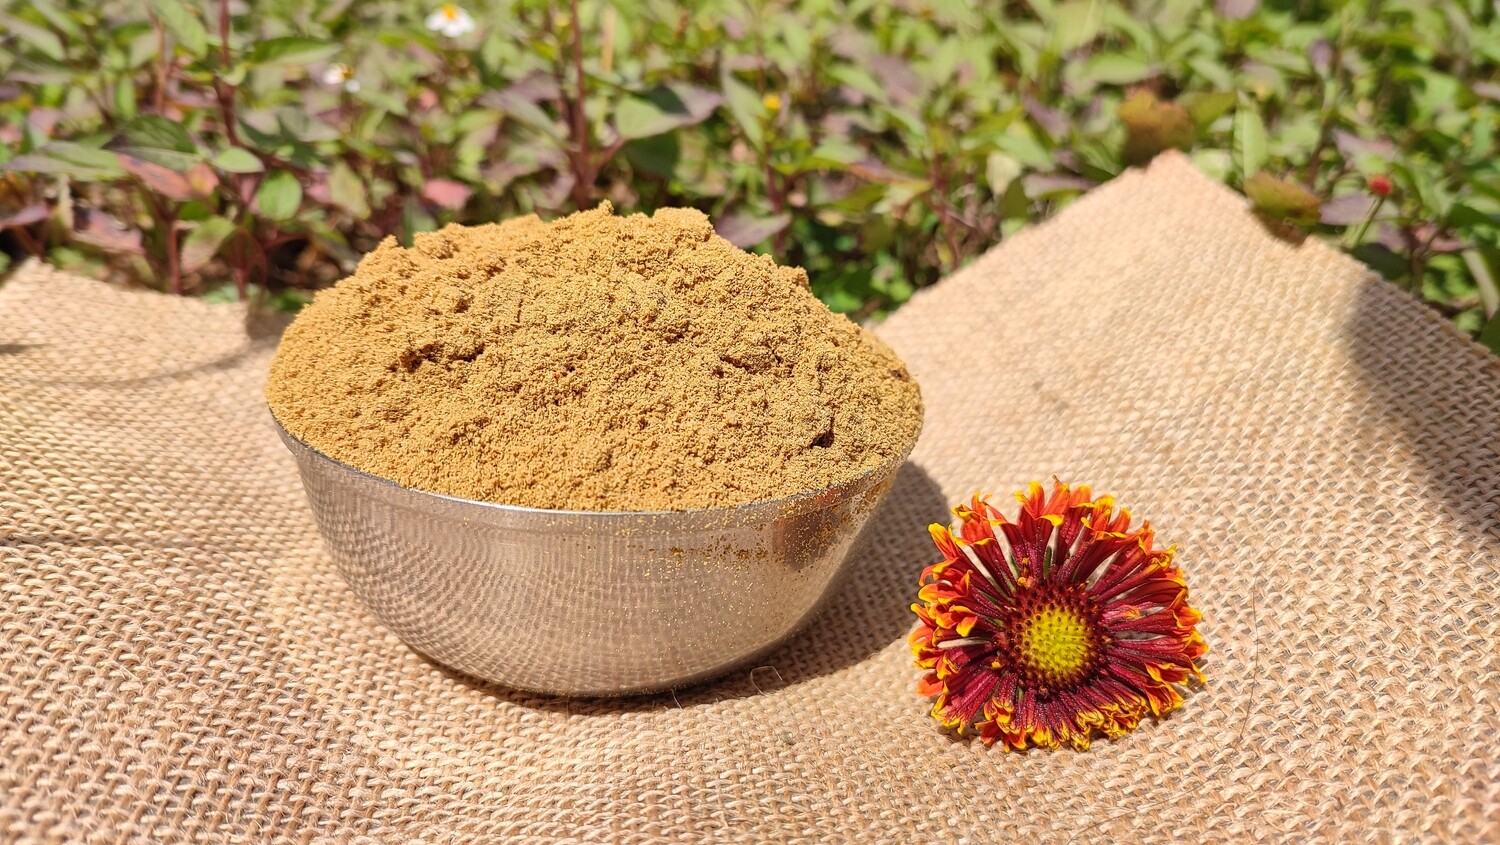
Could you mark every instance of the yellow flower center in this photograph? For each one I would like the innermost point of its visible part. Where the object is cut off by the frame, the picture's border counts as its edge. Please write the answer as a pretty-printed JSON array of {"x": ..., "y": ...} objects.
[
  {"x": 1057, "y": 643},
  {"x": 450, "y": 11},
  {"x": 772, "y": 102}
]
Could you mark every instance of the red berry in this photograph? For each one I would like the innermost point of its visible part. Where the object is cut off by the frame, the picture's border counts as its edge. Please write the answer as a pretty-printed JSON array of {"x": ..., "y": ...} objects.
[{"x": 1380, "y": 186}]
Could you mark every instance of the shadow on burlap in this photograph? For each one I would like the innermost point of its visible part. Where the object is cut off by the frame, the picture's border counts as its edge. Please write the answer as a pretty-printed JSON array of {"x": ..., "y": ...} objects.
[{"x": 179, "y": 661}]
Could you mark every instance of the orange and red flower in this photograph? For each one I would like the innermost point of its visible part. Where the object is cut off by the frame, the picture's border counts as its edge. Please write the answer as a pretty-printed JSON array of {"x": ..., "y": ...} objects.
[{"x": 1049, "y": 629}]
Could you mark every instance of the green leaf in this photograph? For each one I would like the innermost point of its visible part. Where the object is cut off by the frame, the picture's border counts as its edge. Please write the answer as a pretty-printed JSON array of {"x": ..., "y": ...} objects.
[
  {"x": 1379, "y": 258},
  {"x": 161, "y": 142},
  {"x": 1116, "y": 69},
  {"x": 832, "y": 154},
  {"x": 657, "y": 155},
  {"x": 637, "y": 117},
  {"x": 153, "y": 132},
  {"x": 1000, "y": 170},
  {"x": 415, "y": 218},
  {"x": 747, "y": 109},
  {"x": 1249, "y": 139},
  {"x": 290, "y": 301},
  {"x": 1153, "y": 126},
  {"x": 184, "y": 26},
  {"x": 1075, "y": 23},
  {"x": 1424, "y": 177},
  {"x": 1015, "y": 205},
  {"x": 57, "y": 17},
  {"x": 663, "y": 109},
  {"x": 44, "y": 40},
  {"x": 1463, "y": 215},
  {"x": 1278, "y": 199},
  {"x": 1490, "y": 334},
  {"x": 203, "y": 242},
  {"x": 291, "y": 50},
  {"x": 279, "y": 196},
  {"x": 125, "y": 102},
  {"x": 65, "y": 158},
  {"x": 347, "y": 190},
  {"x": 142, "y": 49},
  {"x": 1020, "y": 143},
  {"x": 1207, "y": 107},
  {"x": 860, "y": 80},
  {"x": 1484, "y": 265},
  {"x": 238, "y": 160}
]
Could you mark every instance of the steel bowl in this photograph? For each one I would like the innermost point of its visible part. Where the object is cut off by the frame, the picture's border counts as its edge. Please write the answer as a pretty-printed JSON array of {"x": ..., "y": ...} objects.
[{"x": 585, "y": 603}]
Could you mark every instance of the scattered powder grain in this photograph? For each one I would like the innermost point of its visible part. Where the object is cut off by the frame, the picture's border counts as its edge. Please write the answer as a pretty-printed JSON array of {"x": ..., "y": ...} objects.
[{"x": 593, "y": 363}]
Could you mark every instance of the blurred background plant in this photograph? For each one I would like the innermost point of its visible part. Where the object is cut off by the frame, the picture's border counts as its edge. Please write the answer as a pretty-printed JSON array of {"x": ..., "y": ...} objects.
[{"x": 235, "y": 148}]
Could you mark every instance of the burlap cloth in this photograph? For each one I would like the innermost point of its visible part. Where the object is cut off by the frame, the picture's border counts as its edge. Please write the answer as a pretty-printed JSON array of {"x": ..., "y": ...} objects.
[{"x": 180, "y": 662}]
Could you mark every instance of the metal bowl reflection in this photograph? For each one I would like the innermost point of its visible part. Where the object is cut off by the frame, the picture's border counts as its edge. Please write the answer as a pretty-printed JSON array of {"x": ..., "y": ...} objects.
[{"x": 585, "y": 603}]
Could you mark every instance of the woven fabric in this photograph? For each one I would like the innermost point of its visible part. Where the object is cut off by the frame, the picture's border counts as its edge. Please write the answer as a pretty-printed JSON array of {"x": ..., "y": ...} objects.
[{"x": 180, "y": 662}]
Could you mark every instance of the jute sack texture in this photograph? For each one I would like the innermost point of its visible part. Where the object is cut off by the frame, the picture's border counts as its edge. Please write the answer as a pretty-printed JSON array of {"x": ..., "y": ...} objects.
[{"x": 179, "y": 661}]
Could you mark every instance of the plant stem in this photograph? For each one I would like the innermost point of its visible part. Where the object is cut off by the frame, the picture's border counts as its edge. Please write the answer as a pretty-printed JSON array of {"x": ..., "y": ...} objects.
[
  {"x": 1326, "y": 107},
  {"x": 161, "y": 65},
  {"x": 174, "y": 265},
  {"x": 585, "y": 171},
  {"x": 1419, "y": 258},
  {"x": 241, "y": 277},
  {"x": 224, "y": 91},
  {"x": 28, "y": 242},
  {"x": 1369, "y": 218},
  {"x": 939, "y": 192},
  {"x": 165, "y": 219}
]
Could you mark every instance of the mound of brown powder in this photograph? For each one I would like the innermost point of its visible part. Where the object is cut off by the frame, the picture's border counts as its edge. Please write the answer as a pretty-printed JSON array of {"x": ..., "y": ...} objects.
[{"x": 593, "y": 363}]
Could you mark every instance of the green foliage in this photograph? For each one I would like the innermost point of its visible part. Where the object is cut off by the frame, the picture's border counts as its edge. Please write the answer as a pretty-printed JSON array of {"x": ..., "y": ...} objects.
[
  {"x": 1281, "y": 201},
  {"x": 264, "y": 146}
]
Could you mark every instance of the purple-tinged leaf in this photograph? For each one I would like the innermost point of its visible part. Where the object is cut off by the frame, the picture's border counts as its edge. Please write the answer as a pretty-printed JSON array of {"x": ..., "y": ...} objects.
[
  {"x": 746, "y": 230},
  {"x": 555, "y": 195},
  {"x": 700, "y": 102},
  {"x": 1391, "y": 237},
  {"x": 535, "y": 87},
  {"x": 43, "y": 120},
  {"x": 896, "y": 77},
  {"x": 1347, "y": 210},
  {"x": 851, "y": 43},
  {"x": 34, "y": 213},
  {"x": 446, "y": 193},
  {"x": 874, "y": 170},
  {"x": 203, "y": 242},
  {"x": 1052, "y": 121},
  {"x": 1236, "y": 10},
  {"x": 169, "y": 183},
  {"x": 1320, "y": 54},
  {"x": 1351, "y": 145},
  {"x": 98, "y": 229},
  {"x": 524, "y": 111},
  {"x": 65, "y": 158},
  {"x": 202, "y": 179}
]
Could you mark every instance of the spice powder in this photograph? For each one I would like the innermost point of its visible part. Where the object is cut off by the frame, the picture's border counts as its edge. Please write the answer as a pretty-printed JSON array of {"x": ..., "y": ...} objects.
[{"x": 596, "y": 362}]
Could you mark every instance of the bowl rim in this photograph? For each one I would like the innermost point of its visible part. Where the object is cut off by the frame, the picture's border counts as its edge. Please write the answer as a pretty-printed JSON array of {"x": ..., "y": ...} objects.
[{"x": 810, "y": 498}]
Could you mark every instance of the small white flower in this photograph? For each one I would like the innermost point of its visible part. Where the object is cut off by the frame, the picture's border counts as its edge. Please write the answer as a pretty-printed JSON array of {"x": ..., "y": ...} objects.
[
  {"x": 451, "y": 21},
  {"x": 341, "y": 75}
]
